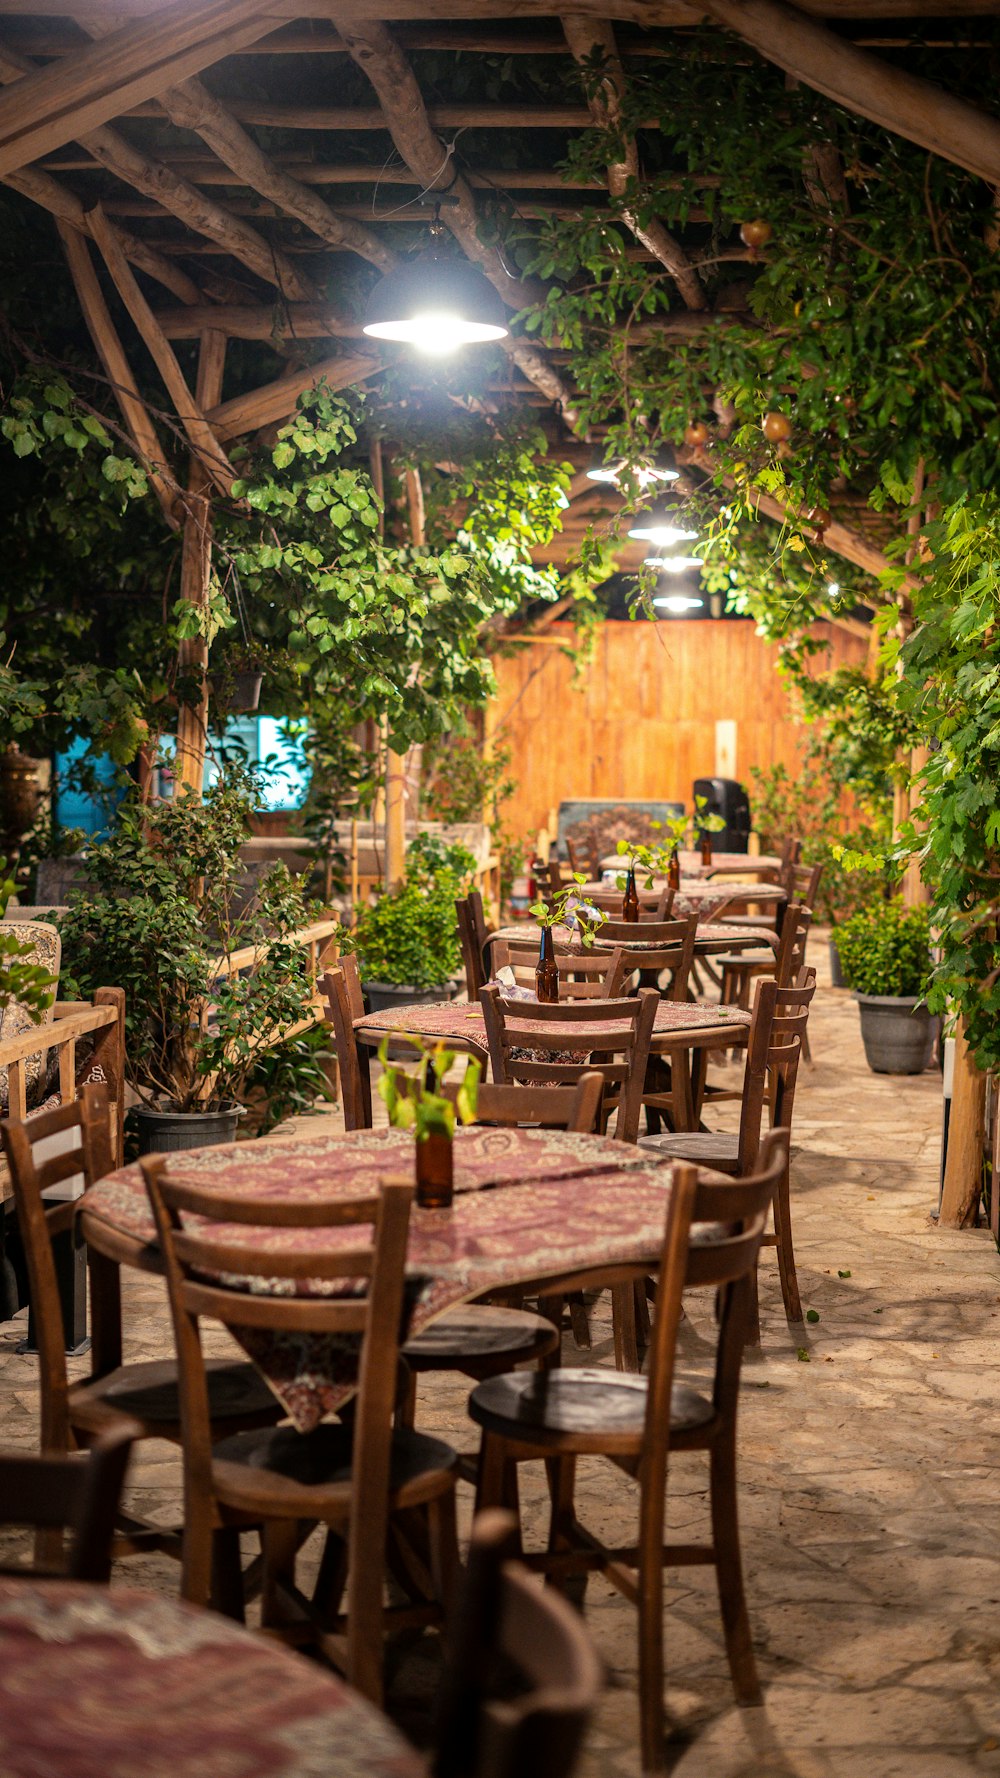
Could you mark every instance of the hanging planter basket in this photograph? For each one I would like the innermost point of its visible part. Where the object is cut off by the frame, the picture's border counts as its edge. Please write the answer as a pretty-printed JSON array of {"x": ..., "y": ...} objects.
[{"x": 238, "y": 693}]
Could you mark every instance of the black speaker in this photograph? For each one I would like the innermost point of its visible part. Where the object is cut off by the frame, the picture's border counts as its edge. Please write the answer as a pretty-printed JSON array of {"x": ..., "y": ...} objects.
[{"x": 723, "y": 796}]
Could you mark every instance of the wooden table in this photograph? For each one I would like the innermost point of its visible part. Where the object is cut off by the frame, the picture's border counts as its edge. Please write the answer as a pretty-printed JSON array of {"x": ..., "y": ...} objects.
[
  {"x": 96, "y": 1683},
  {"x": 544, "y": 1210},
  {"x": 761, "y": 864},
  {"x": 682, "y": 1028}
]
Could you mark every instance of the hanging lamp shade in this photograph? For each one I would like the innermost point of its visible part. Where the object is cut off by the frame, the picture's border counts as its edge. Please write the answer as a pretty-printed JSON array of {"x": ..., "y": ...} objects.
[
  {"x": 436, "y": 304},
  {"x": 662, "y": 525},
  {"x": 644, "y": 470}
]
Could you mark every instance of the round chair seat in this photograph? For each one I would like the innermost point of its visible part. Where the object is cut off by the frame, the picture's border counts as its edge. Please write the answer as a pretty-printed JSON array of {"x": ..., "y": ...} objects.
[
  {"x": 708, "y": 1148},
  {"x": 311, "y": 1471},
  {"x": 149, "y": 1393},
  {"x": 480, "y": 1340},
  {"x": 593, "y": 1410}
]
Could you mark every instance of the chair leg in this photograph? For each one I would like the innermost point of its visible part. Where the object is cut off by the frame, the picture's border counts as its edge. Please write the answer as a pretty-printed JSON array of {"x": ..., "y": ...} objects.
[
  {"x": 561, "y": 1475},
  {"x": 786, "y": 1251},
  {"x": 729, "y": 1572},
  {"x": 227, "y": 1575},
  {"x": 623, "y": 1323},
  {"x": 753, "y": 1310},
  {"x": 651, "y": 1674},
  {"x": 579, "y": 1320},
  {"x": 497, "y": 1480},
  {"x": 443, "y": 1541},
  {"x": 196, "y": 1556}
]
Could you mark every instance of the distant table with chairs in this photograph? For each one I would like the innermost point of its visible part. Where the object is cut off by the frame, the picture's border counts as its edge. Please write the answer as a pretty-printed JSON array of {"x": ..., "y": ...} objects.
[
  {"x": 547, "y": 1210},
  {"x": 96, "y": 1683},
  {"x": 711, "y": 901},
  {"x": 724, "y": 864},
  {"x": 712, "y": 938}
]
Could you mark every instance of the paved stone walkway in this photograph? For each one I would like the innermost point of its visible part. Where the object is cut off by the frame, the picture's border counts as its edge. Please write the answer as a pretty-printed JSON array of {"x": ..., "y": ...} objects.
[{"x": 870, "y": 1456}]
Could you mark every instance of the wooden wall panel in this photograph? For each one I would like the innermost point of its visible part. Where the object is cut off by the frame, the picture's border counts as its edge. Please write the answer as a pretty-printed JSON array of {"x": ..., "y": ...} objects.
[{"x": 638, "y": 720}]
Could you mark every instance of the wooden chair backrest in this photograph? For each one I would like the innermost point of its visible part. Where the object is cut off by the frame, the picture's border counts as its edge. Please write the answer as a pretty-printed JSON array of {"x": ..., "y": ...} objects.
[
  {"x": 806, "y": 879},
  {"x": 614, "y": 1037},
  {"x": 673, "y": 943},
  {"x": 788, "y": 1031},
  {"x": 70, "y": 1492},
  {"x": 575, "y": 1108},
  {"x": 583, "y": 975},
  {"x": 792, "y": 931},
  {"x": 374, "y": 1317},
  {"x": 737, "y": 1212},
  {"x": 791, "y": 852},
  {"x": 87, "y": 1149},
  {"x": 654, "y": 904},
  {"x": 505, "y": 1620},
  {"x": 345, "y": 1003},
  {"x": 473, "y": 934}
]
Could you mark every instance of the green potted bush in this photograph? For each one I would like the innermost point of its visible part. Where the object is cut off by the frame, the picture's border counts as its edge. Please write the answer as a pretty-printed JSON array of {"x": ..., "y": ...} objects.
[
  {"x": 886, "y": 955},
  {"x": 407, "y": 940},
  {"x": 203, "y": 951}
]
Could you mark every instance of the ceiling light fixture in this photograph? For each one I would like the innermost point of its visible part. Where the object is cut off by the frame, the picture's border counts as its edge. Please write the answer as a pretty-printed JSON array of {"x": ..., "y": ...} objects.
[
  {"x": 673, "y": 564},
  {"x": 436, "y": 305},
  {"x": 644, "y": 472},
  {"x": 678, "y": 603}
]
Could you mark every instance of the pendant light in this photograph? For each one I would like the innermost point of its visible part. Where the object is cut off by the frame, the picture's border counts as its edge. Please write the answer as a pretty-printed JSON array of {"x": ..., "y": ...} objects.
[
  {"x": 435, "y": 304},
  {"x": 645, "y": 472},
  {"x": 678, "y": 603},
  {"x": 660, "y": 526},
  {"x": 673, "y": 564}
]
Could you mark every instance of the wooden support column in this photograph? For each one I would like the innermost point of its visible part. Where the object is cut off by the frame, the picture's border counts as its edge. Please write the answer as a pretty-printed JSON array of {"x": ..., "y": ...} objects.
[
  {"x": 963, "y": 1176},
  {"x": 196, "y": 569}
]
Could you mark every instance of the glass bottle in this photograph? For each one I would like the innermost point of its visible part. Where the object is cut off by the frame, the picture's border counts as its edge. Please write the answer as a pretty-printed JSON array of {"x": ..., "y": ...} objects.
[
  {"x": 630, "y": 903},
  {"x": 547, "y": 970},
  {"x": 706, "y": 846},
  {"x": 435, "y": 1170},
  {"x": 674, "y": 870}
]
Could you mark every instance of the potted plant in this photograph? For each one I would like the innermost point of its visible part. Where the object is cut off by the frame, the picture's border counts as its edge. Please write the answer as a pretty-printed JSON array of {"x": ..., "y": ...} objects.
[
  {"x": 414, "y": 1101},
  {"x": 886, "y": 955},
  {"x": 565, "y": 908},
  {"x": 407, "y": 940},
  {"x": 205, "y": 956},
  {"x": 237, "y": 676}
]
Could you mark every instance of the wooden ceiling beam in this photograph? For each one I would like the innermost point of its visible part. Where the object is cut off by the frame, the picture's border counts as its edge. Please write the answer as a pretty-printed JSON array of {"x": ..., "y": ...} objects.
[
  {"x": 396, "y": 217},
  {"x": 191, "y": 106},
  {"x": 645, "y": 14},
  {"x": 64, "y": 204},
  {"x": 177, "y": 197},
  {"x": 207, "y": 170},
  {"x": 377, "y": 53},
  {"x": 276, "y": 400},
  {"x": 58, "y": 103},
  {"x": 866, "y": 85},
  {"x": 200, "y": 436},
  {"x": 584, "y": 36},
  {"x": 287, "y": 115},
  {"x": 306, "y": 321}
]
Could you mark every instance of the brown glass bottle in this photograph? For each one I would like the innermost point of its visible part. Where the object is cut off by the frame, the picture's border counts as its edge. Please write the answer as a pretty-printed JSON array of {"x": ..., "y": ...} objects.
[
  {"x": 435, "y": 1171},
  {"x": 547, "y": 970},
  {"x": 630, "y": 902},
  {"x": 674, "y": 870},
  {"x": 706, "y": 847}
]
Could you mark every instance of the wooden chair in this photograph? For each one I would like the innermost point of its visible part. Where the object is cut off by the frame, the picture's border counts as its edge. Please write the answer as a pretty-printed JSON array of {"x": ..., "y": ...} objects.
[
  {"x": 473, "y": 937},
  {"x": 76, "y": 1493},
  {"x": 478, "y": 1339},
  {"x": 654, "y": 904},
  {"x": 576, "y": 1108},
  {"x": 667, "y": 948},
  {"x": 143, "y": 1395},
  {"x": 352, "y": 1476},
  {"x": 505, "y": 1622},
  {"x": 583, "y": 975},
  {"x": 639, "y": 1422},
  {"x": 345, "y": 1003},
  {"x": 69, "y": 1493},
  {"x": 607, "y": 1030},
  {"x": 780, "y": 1019},
  {"x": 741, "y": 969}
]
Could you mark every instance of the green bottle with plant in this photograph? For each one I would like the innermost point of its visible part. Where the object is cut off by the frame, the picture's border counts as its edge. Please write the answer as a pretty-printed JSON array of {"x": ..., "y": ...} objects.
[{"x": 414, "y": 1100}]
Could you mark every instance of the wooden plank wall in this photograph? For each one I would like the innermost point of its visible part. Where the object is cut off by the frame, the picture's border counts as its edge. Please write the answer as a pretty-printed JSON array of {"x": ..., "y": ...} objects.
[{"x": 639, "y": 719}]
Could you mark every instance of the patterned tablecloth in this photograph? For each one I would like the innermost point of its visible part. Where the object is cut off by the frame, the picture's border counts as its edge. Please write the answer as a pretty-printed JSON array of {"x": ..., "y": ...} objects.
[
  {"x": 529, "y": 1205},
  {"x": 123, "y": 1684},
  {"x": 457, "y": 1022},
  {"x": 691, "y": 864},
  {"x": 711, "y": 936}
]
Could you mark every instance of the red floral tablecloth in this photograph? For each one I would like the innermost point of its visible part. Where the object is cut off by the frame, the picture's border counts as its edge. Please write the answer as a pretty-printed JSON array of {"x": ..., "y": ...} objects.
[
  {"x": 692, "y": 866},
  {"x": 560, "y": 1203},
  {"x": 456, "y": 1022},
  {"x": 706, "y": 898},
  {"x": 710, "y": 936},
  {"x": 123, "y": 1684}
]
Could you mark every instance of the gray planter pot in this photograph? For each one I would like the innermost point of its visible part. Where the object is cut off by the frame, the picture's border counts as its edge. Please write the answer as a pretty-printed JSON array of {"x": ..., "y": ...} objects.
[
  {"x": 836, "y": 968},
  {"x": 385, "y": 996},
  {"x": 898, "y": 1034},
  {"x": 163, "y": 1132}
]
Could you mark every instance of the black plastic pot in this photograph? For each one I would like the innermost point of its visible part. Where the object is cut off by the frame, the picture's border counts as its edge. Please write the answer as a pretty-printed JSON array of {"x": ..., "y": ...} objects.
[
  {"x": 898, "y": 1033},
  {"x": 239, "y": 693},
  {"x": 164, "y": 1132},
  {"x": 836, "y": 967}
]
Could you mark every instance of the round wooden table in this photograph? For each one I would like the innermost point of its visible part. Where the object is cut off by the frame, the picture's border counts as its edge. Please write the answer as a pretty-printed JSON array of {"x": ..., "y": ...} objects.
[
  {"x": 546, "y": 1210},
  {"x": 712, "y": 938},
  {"x": 98, "y": 1682}
]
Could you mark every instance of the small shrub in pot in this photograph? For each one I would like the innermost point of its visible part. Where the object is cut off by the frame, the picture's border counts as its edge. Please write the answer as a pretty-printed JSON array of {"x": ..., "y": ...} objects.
[
  {"x": 885, "y": 952},
  {"x": 407, "y": 940}
]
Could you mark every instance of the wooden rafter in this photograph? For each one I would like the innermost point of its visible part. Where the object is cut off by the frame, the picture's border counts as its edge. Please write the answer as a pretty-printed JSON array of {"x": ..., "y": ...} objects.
[
  {"x": 375, "y": 50},
  {"x": 58, "y": 103},
  {"x": 200, "y": 435},
  {"x": 118, "y": 370},
  {"x": 66, "y": 207},
  {"x": 584, "y": 36},
  {"x": 643, "y": 13},
  {"x": 192, "y": 107},
  {"x": 865, "y": 84},
  {"x": 311, "y": 321},
  {"x": 276, "y": 400},
  {"x": 176, "y": 195}
]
